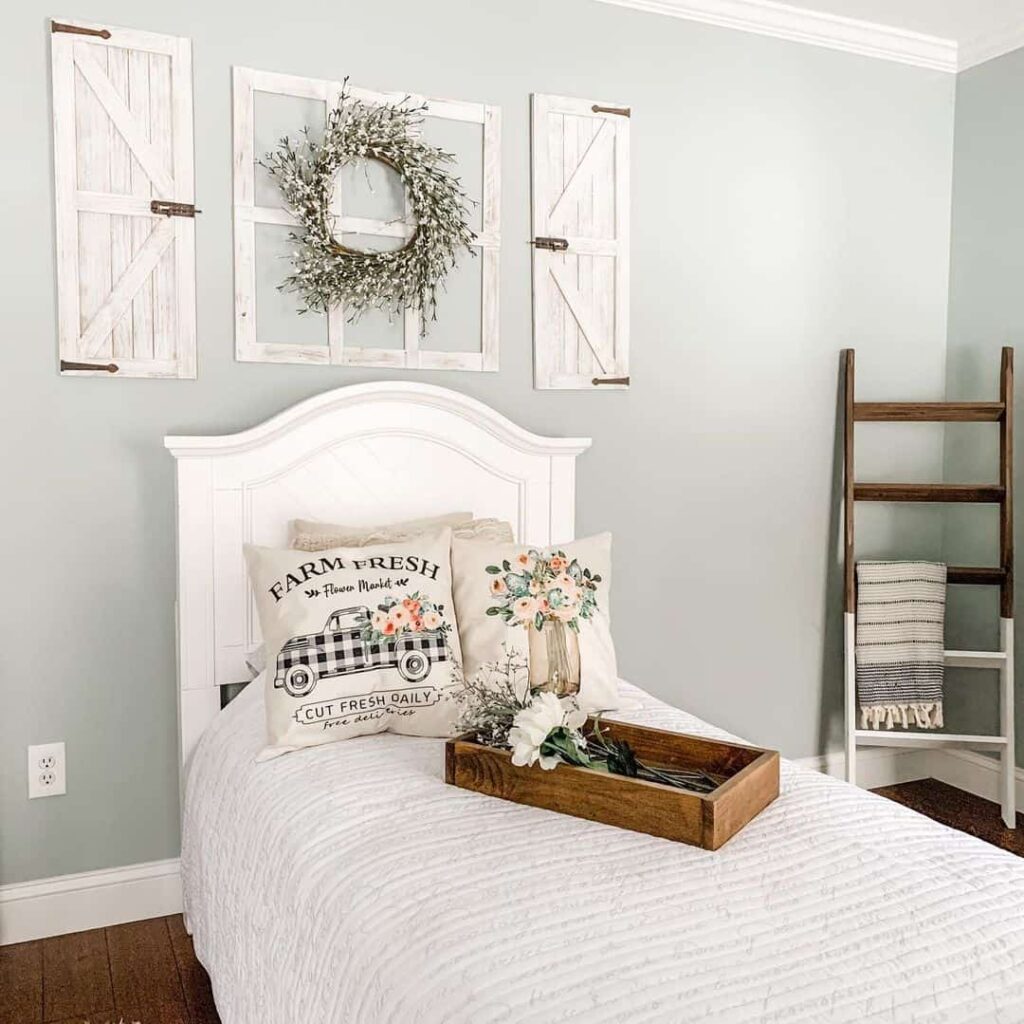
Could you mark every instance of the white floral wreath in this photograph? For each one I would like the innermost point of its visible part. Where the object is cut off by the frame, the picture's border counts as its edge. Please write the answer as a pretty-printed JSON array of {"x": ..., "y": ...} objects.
[{"x": 326, "y": 272}]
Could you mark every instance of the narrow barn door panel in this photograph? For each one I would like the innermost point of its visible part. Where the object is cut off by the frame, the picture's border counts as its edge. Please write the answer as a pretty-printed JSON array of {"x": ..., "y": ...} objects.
[
  {"x": 581, "y": 243},
  {"x": 122, "y": 121}
]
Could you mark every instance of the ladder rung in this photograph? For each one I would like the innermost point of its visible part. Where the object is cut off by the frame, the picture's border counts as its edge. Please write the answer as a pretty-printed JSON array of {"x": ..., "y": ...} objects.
[
  {"x": 928, "y": 412},
  {"x": 975, "y": 659},
  {"x": 884, "y": 738},
  {"x": 982, "y": 493},
  {"x": 978, "y": 575}
]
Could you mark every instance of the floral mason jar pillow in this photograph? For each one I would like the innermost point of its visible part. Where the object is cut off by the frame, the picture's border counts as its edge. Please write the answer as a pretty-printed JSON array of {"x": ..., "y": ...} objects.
[
  {"x": 550, "y": 605},
  {"x": 358, "y": 640}
]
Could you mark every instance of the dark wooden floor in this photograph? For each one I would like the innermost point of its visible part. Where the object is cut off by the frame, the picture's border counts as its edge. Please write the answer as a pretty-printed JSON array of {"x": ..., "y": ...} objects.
[
  {"x": 960, "y": 810},
  {"x": 146, "y": 972}
]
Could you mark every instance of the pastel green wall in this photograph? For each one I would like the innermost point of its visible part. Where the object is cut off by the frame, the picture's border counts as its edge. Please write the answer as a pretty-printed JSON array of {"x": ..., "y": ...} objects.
[
  {"x": 787, "y": 201},
  {"x": 986, "y": 311}
]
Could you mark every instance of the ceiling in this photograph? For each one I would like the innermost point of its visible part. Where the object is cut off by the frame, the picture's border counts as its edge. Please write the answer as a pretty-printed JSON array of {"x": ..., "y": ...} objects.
[
  {"x": 961, "y": 21},
  {"x": 947, "y": 35}
]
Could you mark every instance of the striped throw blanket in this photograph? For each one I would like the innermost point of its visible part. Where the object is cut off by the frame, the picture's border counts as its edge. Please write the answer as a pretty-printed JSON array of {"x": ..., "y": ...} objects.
[{"x": 900, "y": 644}]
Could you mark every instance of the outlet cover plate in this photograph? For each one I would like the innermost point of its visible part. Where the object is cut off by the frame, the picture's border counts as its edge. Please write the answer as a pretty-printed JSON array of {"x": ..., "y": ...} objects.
[{"x": 47, "y": 774}]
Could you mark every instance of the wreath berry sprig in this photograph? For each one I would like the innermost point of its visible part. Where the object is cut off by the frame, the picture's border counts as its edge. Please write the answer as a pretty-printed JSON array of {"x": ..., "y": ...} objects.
[{"x": 326, "y": 272}]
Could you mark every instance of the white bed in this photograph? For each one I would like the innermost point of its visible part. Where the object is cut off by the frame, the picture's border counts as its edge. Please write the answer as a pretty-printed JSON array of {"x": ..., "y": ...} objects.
[{"x": 348, "y": 883}]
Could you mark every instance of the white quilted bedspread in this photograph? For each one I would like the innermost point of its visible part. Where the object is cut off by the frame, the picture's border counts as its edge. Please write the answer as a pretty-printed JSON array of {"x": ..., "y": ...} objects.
[{"x": 348, "y": 883}]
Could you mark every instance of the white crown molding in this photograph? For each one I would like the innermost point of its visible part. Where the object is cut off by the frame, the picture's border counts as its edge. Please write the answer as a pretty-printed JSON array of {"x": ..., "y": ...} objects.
[
  {"x": 767, "y": 18},
  {"x": 91, "y": 899},
  {"x": 973, "y": 52}
]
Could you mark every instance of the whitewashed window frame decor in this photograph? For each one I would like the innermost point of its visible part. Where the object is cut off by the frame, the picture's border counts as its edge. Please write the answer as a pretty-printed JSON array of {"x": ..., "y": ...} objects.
[
  {"x": 123, "y": 144},
  {"x": 580, "y": 187},
  {"x": 247, "y": 214}
]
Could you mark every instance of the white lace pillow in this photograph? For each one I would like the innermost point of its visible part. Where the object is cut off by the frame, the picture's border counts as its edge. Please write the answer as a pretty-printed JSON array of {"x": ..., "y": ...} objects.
[
  {"x": 309, "y": 535},
  {"x": 358, "y": 640},
  {"x": 550, "y": 605}
]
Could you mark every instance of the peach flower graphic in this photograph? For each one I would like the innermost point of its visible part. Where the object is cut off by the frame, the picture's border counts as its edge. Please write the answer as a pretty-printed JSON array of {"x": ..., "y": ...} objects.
[
  {"x": 396, "y": 617},
  {"x": 553, "y": 586},
  {"x": 555, "y": 596}
]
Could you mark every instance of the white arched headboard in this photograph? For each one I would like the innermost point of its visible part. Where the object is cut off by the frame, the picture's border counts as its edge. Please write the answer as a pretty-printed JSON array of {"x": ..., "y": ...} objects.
[{"x": 369, "y": 453}]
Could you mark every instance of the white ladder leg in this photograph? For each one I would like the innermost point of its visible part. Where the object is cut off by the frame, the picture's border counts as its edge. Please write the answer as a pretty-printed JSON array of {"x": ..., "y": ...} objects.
[
  {"x": 850, "y": 695},
  {"x": 1008, "y": 760}
]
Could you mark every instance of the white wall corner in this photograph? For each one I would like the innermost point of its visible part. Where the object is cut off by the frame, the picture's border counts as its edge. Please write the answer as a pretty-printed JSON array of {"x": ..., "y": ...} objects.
[
  {"x": 782, "y": 21},
  {"x": 92, "y": 899}
]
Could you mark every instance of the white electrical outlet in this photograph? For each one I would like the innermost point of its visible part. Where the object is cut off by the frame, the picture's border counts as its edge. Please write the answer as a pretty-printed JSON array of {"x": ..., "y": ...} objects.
[{"x": 47, "y": 775}]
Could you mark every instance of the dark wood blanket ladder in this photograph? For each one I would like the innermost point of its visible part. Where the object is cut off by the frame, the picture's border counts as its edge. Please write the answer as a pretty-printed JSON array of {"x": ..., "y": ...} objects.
[{"x": 1001, "y": 576}]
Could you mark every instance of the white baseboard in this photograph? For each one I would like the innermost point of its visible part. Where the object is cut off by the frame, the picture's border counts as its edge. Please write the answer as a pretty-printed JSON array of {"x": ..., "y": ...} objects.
[
  {"x": 95, "y": 899},
  {"x": 887, "y": 766},
  {"x": 878, "y": 766},
  {"x": 92, "y": 899},
  {"x": 972, "y": 772}
]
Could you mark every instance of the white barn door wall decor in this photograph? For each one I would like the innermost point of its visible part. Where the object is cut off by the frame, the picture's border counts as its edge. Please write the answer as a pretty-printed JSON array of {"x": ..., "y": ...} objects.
[
  {"x": 580, "y": 164},
  {"x": 125, "y": 193},
  {"x": 251, "y": 211}
]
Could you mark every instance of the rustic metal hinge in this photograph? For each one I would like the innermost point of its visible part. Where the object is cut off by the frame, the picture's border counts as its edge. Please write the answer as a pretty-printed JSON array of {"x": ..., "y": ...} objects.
[
  {"x": 551, "y": 244},
  {"x": 621, "y": 111},
  {"x": 610, "y": 380},
  {"x": 57, "y": 26},
  {"x": 169, "y": 209},
  {"x": 106, "y": 367}
]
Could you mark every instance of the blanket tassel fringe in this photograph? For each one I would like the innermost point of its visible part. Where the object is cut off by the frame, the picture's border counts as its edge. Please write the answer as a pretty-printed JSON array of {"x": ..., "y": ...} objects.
[{"x": 889, "y": 716}]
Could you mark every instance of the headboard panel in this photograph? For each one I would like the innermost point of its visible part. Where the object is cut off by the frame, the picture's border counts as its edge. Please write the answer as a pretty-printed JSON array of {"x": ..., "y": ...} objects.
[{"x": 369, "y": 453}]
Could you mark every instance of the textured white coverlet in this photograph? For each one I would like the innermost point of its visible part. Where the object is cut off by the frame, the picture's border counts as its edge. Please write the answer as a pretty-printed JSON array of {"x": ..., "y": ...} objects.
[{"x": 348, "y": 883}]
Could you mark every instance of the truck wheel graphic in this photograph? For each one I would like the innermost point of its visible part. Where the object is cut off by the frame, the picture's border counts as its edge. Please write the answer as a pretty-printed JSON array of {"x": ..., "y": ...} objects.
[
  {"x": 413, "y": 666},
  {"x": 299, "y": 680}
]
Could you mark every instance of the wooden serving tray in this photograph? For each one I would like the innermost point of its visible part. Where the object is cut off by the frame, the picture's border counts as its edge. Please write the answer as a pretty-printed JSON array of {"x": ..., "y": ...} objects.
[{"x": 749, "y": 782}]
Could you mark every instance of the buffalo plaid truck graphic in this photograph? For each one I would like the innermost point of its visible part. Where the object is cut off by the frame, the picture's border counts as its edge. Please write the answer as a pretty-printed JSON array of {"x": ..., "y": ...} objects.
[{"x": 341, "y": 650}]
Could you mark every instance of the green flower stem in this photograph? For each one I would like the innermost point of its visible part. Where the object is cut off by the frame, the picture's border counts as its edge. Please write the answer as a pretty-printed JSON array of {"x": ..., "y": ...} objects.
[
  {"x": 679, "y": 780},
  {"x": 617, "y": 758},
  {"x": 561, "y": 743}
]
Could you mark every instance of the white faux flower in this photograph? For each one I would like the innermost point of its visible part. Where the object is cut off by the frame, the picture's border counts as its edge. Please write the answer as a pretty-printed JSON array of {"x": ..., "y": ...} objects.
[{"x": 532, "y": 726}]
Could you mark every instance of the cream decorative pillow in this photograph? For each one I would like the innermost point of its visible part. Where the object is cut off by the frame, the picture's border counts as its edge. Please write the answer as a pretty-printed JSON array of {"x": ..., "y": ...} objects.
[
  {"x": 308, "y": 535},
  {"x": 549, "y": 605},
  {"x": 358, "y": 640}
]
